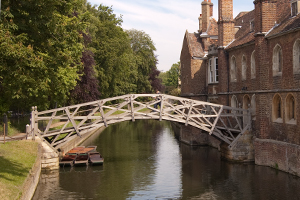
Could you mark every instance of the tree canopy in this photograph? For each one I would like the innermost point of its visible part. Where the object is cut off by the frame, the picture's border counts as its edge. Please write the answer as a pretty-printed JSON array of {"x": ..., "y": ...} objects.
[
  {"x": 59, "y": 52},
  {"x": 170, "y": 79}
]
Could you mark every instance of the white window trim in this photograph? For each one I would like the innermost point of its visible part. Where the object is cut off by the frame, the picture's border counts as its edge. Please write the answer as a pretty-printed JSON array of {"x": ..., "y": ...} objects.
[{"x": 213, "y": 75}]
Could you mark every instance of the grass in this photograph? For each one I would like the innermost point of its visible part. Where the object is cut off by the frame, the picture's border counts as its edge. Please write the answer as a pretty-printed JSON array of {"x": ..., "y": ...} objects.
[{"x": 16, "y": 161}]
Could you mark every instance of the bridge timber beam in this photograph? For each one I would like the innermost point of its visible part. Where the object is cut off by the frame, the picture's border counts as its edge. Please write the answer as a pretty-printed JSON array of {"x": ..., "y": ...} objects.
[{"x": 224, "y": 122}]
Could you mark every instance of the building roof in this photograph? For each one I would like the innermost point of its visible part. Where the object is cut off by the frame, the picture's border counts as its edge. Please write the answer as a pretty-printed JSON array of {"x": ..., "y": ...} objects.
[
  {"x": 212, "y": 27},
  {"x": 244, "y": 35},
  {"x": 287, "y": 25},
  {"x": 194, "y": 43}
]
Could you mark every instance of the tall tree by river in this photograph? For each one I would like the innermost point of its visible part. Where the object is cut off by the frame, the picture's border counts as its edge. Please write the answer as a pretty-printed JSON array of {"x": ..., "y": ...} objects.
[
  {"x": 49, "y": 32},
  {"x": 54, "y": 52}
]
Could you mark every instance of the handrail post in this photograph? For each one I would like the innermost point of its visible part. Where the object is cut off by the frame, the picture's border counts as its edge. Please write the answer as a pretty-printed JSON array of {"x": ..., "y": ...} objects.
[
  {"x": 34, "y": 124},
  {"x": 131, "y": 105}
]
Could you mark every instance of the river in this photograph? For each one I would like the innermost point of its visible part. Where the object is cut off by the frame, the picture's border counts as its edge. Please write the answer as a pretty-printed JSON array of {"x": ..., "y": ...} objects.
[{"x": 144, "y": 160}]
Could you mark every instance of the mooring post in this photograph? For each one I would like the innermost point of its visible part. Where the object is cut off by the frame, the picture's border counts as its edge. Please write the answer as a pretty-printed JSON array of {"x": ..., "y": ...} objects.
[
  {"x": 27, "y": 130},
  {"x": 33, "y": 122},
  {"x": 5, "y": 122}
]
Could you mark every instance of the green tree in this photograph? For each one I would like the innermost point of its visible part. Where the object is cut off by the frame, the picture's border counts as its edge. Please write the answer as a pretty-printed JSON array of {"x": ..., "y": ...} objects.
[
  {"x": 143, "y": 50},
  {"x": 173, "y": 75},
  {"x": 170, "y": 79},
  {"x": 113, "y": 55},
  {"x": 51, "y": 31}
]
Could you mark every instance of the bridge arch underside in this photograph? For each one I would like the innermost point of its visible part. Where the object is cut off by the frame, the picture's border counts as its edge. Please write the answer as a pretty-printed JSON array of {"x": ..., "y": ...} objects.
[{"x": 58, "y": 126}]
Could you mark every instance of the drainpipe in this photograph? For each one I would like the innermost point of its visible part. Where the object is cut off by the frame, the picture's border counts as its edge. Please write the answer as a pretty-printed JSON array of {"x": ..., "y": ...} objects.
[{"x": 228, "y": 75}]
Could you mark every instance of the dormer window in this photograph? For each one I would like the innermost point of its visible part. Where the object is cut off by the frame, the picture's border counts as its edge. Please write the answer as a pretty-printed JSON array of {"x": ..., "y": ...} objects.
[
  {"x": 252, "y": 26},
  {"x": 295, "y": 7}
]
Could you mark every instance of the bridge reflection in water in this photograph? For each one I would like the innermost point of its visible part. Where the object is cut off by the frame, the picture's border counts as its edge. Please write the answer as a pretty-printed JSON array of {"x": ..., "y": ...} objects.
[
  {"x": 143, "y": 160},
  {"x": 225, "y": 123}
]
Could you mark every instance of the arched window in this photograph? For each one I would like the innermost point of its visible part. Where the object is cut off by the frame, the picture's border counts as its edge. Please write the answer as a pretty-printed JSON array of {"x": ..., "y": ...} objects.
[
  {"x": 253, "y": 70},
  {"x": 290, "y": 109},
  {"x": 244, "y": 68},
  {"x": 296, "y": 57},
  {"x": 277, "y": 109},
  {"x": 233, "y": 70},
  {"x": 277, "y": 60},
  {"x": 234, "y": 102},
  {"x": 253, "y": 107},
  {"x": 246, "y": 106}
]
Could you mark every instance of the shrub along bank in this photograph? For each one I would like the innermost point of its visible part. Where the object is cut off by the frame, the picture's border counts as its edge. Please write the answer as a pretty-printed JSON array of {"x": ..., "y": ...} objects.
[{"x": 16, "y": 161}]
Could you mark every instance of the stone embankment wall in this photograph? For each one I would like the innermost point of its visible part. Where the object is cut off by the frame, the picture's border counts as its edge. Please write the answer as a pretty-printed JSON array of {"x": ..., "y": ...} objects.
[
  {"x": 284, "y": 156},
  {"x": 48, "y": 159},
  {"x": 32, "y": 179},
  {"x": 243, "y": 151}
]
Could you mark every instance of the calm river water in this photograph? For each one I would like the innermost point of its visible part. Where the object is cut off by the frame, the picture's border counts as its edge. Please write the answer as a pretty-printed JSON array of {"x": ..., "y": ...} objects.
[{"x": 143, "y": 160}]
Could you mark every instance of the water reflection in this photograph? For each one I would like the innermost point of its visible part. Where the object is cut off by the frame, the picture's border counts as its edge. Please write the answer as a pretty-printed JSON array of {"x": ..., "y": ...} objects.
[{"x": 143, "y": 160}]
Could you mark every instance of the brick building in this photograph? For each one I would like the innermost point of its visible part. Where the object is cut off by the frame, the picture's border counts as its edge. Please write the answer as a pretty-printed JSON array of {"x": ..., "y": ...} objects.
[{"x": 251, "y": 61}]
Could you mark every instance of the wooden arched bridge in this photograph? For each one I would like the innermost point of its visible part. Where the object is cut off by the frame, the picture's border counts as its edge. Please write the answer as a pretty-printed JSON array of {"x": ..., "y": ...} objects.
[{"x": 223, "y": 122}]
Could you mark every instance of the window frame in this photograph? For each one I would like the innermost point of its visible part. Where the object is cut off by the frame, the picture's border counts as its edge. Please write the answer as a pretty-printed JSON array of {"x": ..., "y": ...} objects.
[
  {"x": 296, "y": 57},
  {"x": 290, "y": 109},
  {"x": 277, "y": 60},
  {"x": 213, "y": 70},
  {"x": 277, "y": 109},
  {"x": 233, "y": 69},
  {"x": 244, "y": 68},
  {"x": 253, "y": 67},
  {"x": 294, "y": 8}
]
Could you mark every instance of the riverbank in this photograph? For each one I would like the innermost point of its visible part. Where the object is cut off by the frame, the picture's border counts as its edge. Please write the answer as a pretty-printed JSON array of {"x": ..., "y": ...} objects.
[{"x": 17, "y": 160}]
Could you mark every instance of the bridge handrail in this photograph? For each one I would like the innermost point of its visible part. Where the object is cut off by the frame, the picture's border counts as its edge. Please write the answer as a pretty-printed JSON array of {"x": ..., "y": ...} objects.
[{"x": 218, "y": 120}]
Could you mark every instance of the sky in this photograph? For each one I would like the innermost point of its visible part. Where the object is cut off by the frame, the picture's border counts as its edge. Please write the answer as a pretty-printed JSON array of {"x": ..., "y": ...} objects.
[{"x": 165, "y": 21}]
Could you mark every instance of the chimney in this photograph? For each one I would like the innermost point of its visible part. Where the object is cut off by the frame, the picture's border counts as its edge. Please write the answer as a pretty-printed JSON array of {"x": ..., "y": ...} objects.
[
  {"x": 211, "y": 6},
  {"x": 226, "y": 24},
  {"x": 206, "y": 14},
  {"x": 265, "y": 15},
  {"x": 200, "y": 23}
]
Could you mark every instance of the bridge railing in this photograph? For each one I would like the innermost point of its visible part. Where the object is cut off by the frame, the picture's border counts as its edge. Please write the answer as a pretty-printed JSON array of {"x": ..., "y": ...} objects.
[{"x": 60, "y": 125}]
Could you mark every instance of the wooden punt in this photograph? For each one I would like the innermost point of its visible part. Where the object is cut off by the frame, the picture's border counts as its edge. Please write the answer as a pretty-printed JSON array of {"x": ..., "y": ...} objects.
[
  {"x": 69, "y": 158},
  {"x": 95, "y": 158},
  {"x": 83, "y": 156}
]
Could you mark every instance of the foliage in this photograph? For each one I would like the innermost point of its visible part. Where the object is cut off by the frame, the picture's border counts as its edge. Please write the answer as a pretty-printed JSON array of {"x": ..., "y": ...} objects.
[
  {"x": 170, "y": 79},
  {"x": 58, "y": 52},
  {"x": 145, "y": 60},
  {"x": 156, "y": 82},
  {"x": 173, "y": 75},
  {"x": 46, "y": 68}
]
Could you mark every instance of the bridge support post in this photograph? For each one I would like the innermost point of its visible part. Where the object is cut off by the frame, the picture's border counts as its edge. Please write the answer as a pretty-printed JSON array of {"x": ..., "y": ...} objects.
[{"x": 242, "y": 151}]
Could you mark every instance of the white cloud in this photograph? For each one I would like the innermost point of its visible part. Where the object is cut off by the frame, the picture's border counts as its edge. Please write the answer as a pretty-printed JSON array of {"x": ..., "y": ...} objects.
[{"x": 165, "y": 21}]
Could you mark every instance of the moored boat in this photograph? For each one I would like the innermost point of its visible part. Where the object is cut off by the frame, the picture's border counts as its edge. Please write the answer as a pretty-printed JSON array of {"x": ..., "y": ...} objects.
[
  {"x": 68, "y": 160},
  {"x": 83, "y": 155},
  {"x": 95, "y": 158}
]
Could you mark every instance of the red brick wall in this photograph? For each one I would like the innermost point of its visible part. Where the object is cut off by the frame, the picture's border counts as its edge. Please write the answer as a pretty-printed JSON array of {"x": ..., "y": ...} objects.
[{"x": 280, "y": 155}]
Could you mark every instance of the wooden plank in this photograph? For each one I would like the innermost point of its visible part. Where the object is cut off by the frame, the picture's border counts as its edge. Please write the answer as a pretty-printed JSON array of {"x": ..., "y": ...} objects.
[{"x": 72, "y": 121}]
